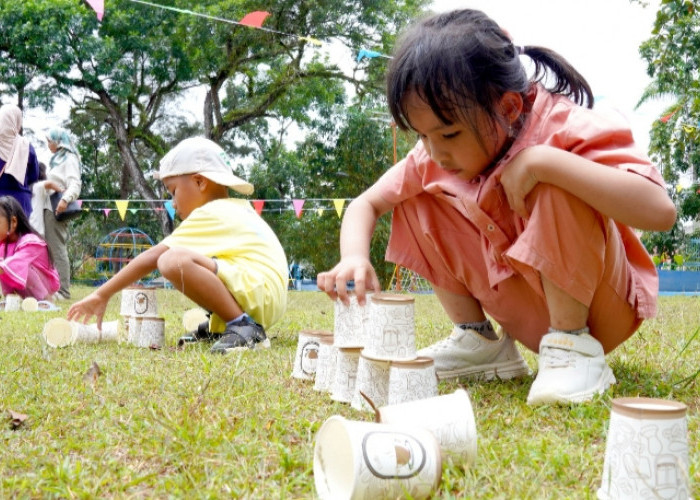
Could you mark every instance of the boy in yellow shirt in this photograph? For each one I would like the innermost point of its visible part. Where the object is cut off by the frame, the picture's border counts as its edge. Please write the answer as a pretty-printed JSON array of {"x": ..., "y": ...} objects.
[{"x": 223, "y": 256}]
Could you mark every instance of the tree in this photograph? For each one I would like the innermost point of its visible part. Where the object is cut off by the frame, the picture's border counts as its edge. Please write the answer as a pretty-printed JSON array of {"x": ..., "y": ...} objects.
[
  {"x": 133, "y": 70},
  {"x": 673, "y": 61}
]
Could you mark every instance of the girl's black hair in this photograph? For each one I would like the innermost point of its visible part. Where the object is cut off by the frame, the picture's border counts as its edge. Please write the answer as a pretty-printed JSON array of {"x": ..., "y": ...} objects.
[
  {"x": 10, "y": 207},
  {"x": 462, "y": 61}
]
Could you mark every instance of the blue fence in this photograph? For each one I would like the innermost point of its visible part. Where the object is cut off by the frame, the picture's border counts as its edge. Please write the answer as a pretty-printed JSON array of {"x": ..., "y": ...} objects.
[{"x": 679, "y": 282}]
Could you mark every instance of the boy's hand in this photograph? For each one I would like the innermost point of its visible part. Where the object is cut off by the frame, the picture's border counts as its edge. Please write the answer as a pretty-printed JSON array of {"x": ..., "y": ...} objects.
[
  {"x": 92, "y": 305},
  {"x": 359, "y": 269}
]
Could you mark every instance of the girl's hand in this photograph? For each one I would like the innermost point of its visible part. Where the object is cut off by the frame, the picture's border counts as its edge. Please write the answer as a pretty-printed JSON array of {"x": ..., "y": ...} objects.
[
  {"x": 54, "y": 186},
  {"x": 61, "y": 207},
  {"x": 92, "y": 305},
  {"x": 518, "y": 179},
  {"x": 359, "y": 269}
]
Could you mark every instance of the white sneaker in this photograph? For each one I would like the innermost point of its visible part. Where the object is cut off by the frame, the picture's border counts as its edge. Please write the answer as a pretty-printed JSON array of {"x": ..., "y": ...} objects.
[
  {"x": 465, "y": 353},
  {"x": 572, "y": 369}
]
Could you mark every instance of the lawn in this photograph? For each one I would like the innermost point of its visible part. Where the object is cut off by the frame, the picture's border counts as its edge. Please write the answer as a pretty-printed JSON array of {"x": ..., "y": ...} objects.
[{"x": 188, "y": 424}]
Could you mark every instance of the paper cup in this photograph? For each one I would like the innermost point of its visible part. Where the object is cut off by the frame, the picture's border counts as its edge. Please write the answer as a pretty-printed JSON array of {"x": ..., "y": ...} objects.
[
  {"x": 139, "y": 301},
  {"x": 192, "y": 318},
  {"x": 412, "y": 380},
  {"x": 89, "y": 334},
  {"x": 351, "y": 323},
  {"x": 133, "y": 329},
  {"x": 449, "y": 417},
  {"x": 58, "y": 332},
  {"x": 345, "y": 374},
  {"x": 13, "y": 302},
  {"x": 147, "y": 331},
  {"x": 306, "y": 357},
  {"x": 372, "y": 381},
  {"x": 391, "y": 327},
  {"x": 325, "y": 368},
  {"x": 646, "y": 454},
  {"x": 30, "y": 304},
  {"x": 362, "y": 460}
]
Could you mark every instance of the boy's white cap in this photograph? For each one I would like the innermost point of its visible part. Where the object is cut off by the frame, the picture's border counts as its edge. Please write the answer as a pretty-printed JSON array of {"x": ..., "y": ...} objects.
[{"x": 198, "y": 155}]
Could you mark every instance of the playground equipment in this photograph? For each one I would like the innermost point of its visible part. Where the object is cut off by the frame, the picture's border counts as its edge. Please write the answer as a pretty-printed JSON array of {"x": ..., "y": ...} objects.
[{"x": 118, "y": 248}]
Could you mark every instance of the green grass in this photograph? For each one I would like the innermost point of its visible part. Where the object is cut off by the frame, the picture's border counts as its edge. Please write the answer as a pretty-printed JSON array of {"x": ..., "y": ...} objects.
[{"x": 187, "y": 424}]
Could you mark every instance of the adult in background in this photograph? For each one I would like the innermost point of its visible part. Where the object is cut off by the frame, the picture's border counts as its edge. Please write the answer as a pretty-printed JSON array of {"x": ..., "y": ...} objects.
[
  {"x": 18, "y": 161},
  {"x": 64, "y": 177}
]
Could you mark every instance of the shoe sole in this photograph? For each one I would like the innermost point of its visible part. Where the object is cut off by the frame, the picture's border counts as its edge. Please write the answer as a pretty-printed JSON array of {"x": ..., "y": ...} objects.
[
  {"x": 502, "y": 371},
  {"x": 607, "y": 378},
  {"x": 265, "y": 344}
]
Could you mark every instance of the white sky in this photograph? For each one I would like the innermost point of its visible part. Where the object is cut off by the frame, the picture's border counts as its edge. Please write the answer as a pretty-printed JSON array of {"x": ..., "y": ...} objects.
[{"x": 600, "y": 38}]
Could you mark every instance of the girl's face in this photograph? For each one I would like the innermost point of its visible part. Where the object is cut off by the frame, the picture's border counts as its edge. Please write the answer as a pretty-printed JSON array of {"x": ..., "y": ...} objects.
[
  {"x": 455, "y": 147},
  {"x": 7, "y": 228},
  {"x": 52, "y": 146},
  {"x": 186, "y": 192}
]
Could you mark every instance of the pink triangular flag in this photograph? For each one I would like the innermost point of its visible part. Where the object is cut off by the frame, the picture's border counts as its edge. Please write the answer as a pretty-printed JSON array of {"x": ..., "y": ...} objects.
[
  {"x": 298, "y": 204},
  {"x": 106, "y": 211},
  {"x": 258, "y": 205},
  {"x": 254, "y": 19},
  {"x": 80, "y": 203},
  {"x": 98, "y": 6}
]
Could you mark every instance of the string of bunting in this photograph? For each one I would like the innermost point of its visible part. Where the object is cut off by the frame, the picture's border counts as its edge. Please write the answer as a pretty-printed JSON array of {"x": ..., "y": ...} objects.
[
  {"x": 122, "y": 206},
  {"x": 252, "y": 20}
]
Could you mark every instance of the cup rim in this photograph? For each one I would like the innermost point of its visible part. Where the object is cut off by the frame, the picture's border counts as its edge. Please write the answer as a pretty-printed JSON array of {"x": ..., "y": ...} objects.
[
  {"x": 392, "y": 298},
  {"x": 650, "y": 408}
]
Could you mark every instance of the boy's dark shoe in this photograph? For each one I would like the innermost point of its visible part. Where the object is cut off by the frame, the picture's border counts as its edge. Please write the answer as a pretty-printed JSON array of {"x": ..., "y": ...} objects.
[
  {"x": 243, "y": 334},
  {"x": 201, "y": 333}
]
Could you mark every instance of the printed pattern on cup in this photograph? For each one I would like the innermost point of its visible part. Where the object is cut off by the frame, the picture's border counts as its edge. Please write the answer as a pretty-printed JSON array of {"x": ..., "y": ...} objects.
[
  {"x": 449, "y": 417},
  {"x": 412, "y": 380},
  {"x": 361, "y": 460},
  {"x": 148, "y": 331},
  {"x": 345, "y": 374},
  {"x": 325, "y": 368},
  {"x": 139, "y": 301},
  {"x": 373, "y": 381},
  {"x": 351, "y": 322},
  {"x": 646, "y": 454},
  {"x": 13, "y": 302},
  {"x": 391, "y": 327},
  {"x": 307, "y": 352}
]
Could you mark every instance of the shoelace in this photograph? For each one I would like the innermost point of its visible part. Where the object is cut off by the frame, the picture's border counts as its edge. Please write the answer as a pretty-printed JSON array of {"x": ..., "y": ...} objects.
[{"x": 557, "y": 358}]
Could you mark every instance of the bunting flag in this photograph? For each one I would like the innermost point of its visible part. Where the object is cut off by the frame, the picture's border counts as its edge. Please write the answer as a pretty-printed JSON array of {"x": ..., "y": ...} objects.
[
  {"x": 252, "y": 20},
  {"x": 258, "y": 205},
  {"x": 339, "y": 203},
  {"x": 298, "y": 204},
  {"x": 98, "y": 6},
  {"x": 369, "y": 54},
  {"x": 319, "y": 212},
  {"x": 666, "y": 118},
  {"x": 122, "y": 206},
  {"x": 106, "y": 211},
  {"x": 133, "y": 211},
  {"x": 169, "y": 208},
  {"x": 80, "y": 203},
  {"x": 255, "y": 19}
]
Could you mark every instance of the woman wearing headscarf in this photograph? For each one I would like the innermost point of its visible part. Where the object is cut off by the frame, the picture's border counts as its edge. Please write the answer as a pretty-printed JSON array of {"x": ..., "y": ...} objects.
[
  {"x": 64, "y": 177},
  {"x": 18, "y": 161}
]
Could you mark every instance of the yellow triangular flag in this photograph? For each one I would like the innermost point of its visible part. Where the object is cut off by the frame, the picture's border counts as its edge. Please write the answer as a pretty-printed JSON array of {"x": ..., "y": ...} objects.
[
  {"x": 122, "y": 206},
  {"x": 339, "y": 203},
  {"x": 313, "y": 41},
  {"x": 319, "y": 211}
]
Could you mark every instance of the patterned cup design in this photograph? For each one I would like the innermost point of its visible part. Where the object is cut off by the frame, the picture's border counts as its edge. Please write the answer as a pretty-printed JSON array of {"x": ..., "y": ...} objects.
[
  {"x": 306, "y": 357},
  {"x": 373, "y": 382},
  {"x": 646, "y": 454},
  {"x": 345, "y": 374},
  {"x": 325, "y": 368},
  {"x": 358, "y": 460},
  {"x": 412, "y": 380},
  {"x": 351, "y": 323},
  {"x": 391, "y": 327}
]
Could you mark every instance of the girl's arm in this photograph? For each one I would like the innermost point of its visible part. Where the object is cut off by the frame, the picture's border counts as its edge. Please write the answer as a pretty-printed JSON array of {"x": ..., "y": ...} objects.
[
  {"x": 96, "y": 303},
  {"x": 627, "y": 197},
  {"x": 355, "y": 235}
]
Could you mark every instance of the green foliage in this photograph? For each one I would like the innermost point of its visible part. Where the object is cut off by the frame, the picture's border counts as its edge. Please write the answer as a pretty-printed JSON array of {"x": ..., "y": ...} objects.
[{"x": 673, "y": 62}]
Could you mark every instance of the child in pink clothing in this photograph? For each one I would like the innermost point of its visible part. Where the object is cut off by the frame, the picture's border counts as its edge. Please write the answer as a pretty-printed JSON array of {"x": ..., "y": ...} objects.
[
  {"x": 517, "y": 202},
  {"x": 25, "y": 263}
]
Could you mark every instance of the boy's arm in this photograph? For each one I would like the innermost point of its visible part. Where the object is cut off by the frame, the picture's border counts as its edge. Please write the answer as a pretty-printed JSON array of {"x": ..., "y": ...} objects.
[
  {"x": 355, "y": 236},
  {"x": 96, "y": 303},
  {"x": 626, "y": 197}
]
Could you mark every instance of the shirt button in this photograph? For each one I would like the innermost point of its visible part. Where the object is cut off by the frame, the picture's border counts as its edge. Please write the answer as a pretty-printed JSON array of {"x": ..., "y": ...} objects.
[{"x": 490, "y": 227}]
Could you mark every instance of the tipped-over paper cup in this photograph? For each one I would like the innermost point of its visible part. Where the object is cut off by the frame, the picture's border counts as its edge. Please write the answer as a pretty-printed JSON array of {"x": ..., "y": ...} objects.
[
  {"x": 58, "y": 332},
  {"x": 192, "y": 318},
  {"x": 646, "y": 454},
  {"x": 30, "y": 304},
  {"x": 449, "y": 417},
  {"x": 367, "y": 460}
]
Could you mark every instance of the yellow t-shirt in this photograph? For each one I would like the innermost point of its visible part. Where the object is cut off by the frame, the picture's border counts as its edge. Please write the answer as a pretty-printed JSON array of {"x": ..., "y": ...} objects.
[{"x": 251, "y": 261}]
